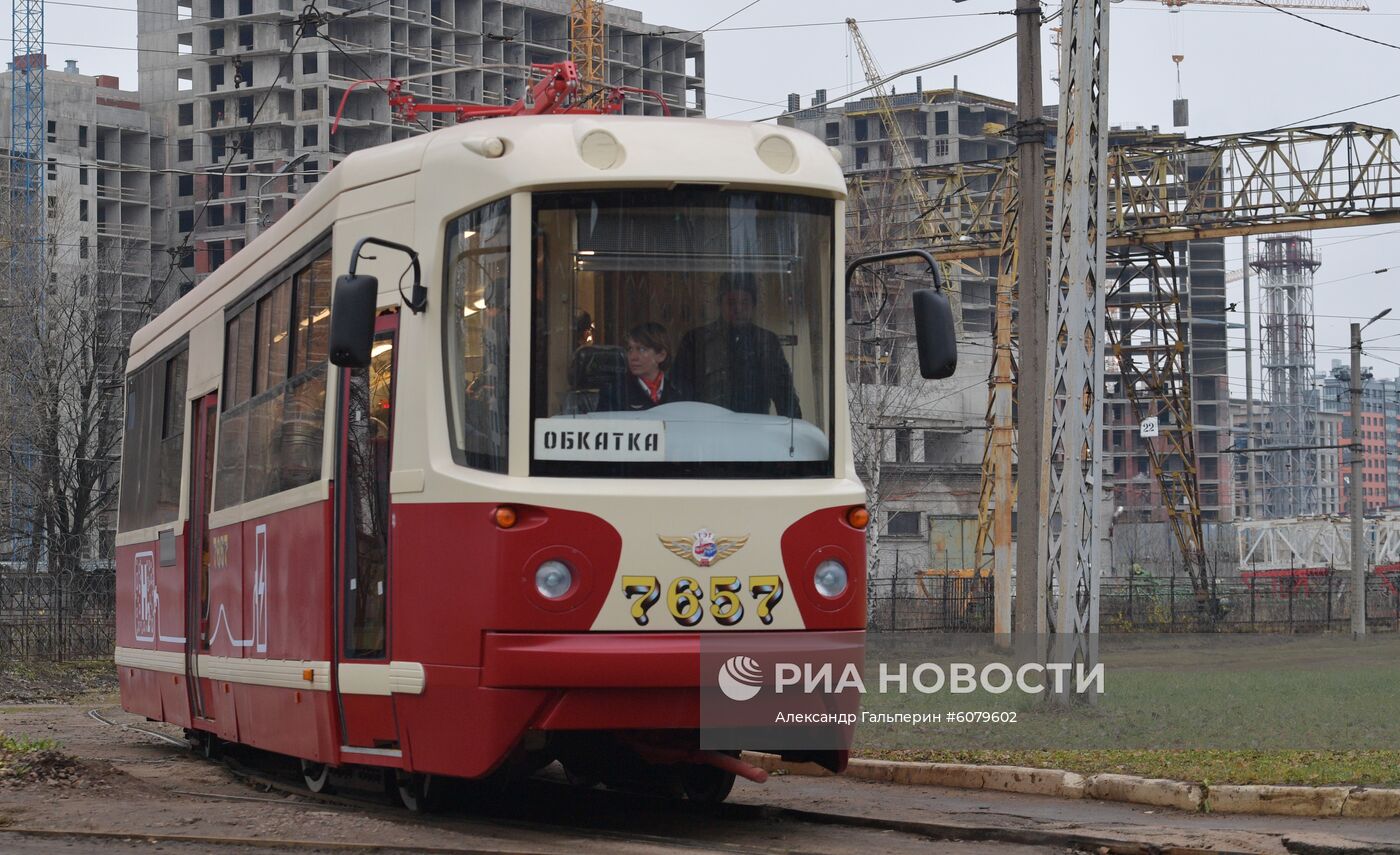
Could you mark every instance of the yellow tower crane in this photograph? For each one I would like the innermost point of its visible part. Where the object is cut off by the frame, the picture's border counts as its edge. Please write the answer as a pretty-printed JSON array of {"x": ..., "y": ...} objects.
[
  {"x": 902, "y": 186},
  {"x": 588, "y": 49}
]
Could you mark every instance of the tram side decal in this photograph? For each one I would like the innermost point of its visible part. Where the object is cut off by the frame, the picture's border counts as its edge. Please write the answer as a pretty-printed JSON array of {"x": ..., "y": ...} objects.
[
  {"x": 222, "y": 624},
  {"x": 147, "y": 599}
]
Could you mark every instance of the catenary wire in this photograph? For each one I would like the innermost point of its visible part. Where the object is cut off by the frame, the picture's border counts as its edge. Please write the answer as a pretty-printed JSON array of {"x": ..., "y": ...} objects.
[{"x": 178, "y": 252}]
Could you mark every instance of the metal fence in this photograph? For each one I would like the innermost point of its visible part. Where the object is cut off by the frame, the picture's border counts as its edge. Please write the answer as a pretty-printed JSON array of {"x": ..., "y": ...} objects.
[
  {"x": 1150, "y": 604},
  {"x": 1315, "y": 603},
  {"x": 932, "y": 604},
  {"x": 72, "y": 616},
  {"x": 57, "y": 615}
]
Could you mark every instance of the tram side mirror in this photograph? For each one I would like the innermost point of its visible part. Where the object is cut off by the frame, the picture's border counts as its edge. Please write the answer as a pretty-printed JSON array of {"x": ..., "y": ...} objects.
[
  {"x": 352, "y": 320},
  {"x": 934, "y": 329},
  {"x": 935, "y": 333}
]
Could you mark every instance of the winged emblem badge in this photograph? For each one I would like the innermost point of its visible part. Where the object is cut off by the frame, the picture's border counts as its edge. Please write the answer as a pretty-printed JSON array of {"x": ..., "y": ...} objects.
[{"x": 702, "y": 548}]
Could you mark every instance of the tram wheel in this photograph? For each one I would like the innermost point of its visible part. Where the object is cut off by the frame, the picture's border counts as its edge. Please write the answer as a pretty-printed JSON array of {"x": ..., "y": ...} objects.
[
  {"x": 317, "y": 777},
  {"x": 210, "y": 746},
  {"x": 419, "y": 792},
  {"x": 706, "y": 784}
]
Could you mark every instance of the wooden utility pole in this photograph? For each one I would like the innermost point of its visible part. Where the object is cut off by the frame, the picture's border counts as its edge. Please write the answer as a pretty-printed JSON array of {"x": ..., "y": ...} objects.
[{"x": 1031, "y": 282}]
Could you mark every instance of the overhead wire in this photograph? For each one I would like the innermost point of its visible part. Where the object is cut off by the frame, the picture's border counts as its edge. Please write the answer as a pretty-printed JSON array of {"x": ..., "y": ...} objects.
[
  {"x": 913, "y": 70},
  {"x": 1290, "y": 13},
  {"x": 177, "y": 253}
]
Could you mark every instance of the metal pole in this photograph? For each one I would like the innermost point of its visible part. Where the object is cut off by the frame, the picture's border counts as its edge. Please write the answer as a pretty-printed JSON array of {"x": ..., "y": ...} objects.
[
  {"x": 1249, "y": 496},
  {"x": 1032, "y": 280},
  {"x": 1358, "y": 506}
]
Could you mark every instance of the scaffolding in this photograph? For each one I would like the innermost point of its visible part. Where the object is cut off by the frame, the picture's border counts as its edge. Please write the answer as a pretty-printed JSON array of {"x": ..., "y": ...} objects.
[{"x": 1288, "y": 353}]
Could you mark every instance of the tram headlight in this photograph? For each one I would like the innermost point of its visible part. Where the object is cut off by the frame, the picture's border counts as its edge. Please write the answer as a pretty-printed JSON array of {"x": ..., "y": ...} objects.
[
  {"x": 554, "y": 579},
  {"x": 830, "y": 578}
]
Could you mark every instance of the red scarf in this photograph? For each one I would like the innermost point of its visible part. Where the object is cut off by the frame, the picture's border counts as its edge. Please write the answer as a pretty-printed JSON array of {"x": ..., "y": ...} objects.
[{"x": 654, "y": 389}]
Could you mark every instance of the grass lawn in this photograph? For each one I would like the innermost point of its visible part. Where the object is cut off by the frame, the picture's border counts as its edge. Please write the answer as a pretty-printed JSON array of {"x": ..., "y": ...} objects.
[{"x": 1214, "y": 709}]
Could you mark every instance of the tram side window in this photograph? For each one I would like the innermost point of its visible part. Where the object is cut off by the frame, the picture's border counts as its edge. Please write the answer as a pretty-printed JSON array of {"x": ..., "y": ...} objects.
[
  {"x": 478, "y": 320},
  {"x": 270, "y": 433},
  {"x": 153, "y": 443}
]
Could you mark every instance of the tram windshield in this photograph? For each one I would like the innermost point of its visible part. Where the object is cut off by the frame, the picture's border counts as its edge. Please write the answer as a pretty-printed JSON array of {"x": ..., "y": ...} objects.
[{"x": 682, "y": 333}]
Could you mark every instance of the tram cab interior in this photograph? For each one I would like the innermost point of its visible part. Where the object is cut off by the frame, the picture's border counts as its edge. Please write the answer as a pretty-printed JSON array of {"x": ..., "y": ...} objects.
[{"x": 729, "y": 292}]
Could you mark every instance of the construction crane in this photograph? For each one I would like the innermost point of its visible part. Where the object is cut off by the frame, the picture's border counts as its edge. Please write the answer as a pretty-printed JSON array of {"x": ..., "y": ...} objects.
[
  {"x": 903, "y": 184},
  {"x": 870, "y": 201},
  {"x": 1179, "y": 55},
  {"x": 26, "y": 178},
  {"x": 587, "y": 45},
  {"x": 1314, "y": 5}
]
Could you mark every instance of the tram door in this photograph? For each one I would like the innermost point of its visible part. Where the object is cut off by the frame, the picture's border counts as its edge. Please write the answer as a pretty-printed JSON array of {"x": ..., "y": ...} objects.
[
  {"x": 198, "y": 559},
  {"x": 363, "y": 548}
]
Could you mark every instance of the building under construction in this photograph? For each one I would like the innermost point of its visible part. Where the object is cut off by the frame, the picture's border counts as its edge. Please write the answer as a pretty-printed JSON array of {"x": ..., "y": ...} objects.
[
  {"x": 1167, "y": 356},
  {"x": 254, "y": 83},
  {"x": 1167, "y": 361},
  {"x": 927, "y": 437}
]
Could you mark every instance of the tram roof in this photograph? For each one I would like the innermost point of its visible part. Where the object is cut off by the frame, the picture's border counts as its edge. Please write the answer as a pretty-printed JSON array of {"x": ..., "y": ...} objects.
[{"x": 651, "y": 145}]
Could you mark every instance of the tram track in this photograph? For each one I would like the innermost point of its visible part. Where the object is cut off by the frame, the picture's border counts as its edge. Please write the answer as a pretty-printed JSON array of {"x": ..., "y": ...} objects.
[
  {"x": 607, "y": 800},
  {"x": 96, "y": 715},
  {"x": 585, "y": 810}
]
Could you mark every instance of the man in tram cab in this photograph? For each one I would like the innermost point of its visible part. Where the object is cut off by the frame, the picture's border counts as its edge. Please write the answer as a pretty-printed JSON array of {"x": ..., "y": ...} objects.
[
  {"x": 647, "y": 383},
  {"x": 733, "y": 362}
]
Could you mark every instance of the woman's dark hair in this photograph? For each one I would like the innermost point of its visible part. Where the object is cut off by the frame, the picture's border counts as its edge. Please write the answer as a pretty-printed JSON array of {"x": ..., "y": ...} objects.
[{"x": 652, "y": 335}]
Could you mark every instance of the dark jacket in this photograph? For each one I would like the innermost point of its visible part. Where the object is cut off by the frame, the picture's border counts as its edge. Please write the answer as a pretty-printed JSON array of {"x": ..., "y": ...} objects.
[
  {"x": 631, "y": 394},
  {"x": 740, "y": 367}
]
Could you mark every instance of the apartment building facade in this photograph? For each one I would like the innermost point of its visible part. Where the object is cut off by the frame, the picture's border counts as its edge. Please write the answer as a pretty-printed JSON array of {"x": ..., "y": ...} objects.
[
  {"x": 252, "y": 84},
  {"x": 103, "y": 235},
  {"x": 1380, "y": 435}
]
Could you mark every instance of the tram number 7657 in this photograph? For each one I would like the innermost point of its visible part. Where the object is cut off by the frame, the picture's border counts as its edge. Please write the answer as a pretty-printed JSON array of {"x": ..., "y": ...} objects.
[{"x": 685, "y": 599}]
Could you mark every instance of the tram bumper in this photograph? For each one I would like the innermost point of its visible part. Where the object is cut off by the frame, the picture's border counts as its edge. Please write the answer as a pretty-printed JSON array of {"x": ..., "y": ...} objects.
[{"x": 654, "y": 681}]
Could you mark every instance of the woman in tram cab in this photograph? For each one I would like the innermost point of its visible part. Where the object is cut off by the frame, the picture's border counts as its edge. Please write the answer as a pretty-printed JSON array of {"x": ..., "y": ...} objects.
[{"x": 648, "y": 382}]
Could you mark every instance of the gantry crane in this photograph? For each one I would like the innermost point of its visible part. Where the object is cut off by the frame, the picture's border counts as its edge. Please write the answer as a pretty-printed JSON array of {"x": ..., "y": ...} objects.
[{"x": 1161, "y": 192}]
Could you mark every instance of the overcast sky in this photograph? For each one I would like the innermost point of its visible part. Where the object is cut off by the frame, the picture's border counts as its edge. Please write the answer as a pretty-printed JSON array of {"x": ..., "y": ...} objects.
[{"x": 1244, "y": 69}]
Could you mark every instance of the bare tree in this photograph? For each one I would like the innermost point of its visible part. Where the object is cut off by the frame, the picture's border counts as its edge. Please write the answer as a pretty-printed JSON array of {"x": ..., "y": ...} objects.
[
  {"x": 62, "y": 354},
  {"x": 889, "y": 402}
]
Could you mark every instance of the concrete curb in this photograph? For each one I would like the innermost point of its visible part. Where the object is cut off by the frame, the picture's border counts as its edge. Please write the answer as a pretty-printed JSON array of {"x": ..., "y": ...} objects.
[{"x": 1155, "y": 792}]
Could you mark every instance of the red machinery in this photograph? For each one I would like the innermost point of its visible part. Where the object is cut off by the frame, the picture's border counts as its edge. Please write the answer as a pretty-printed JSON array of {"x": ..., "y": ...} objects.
[{"x": 557, "y": 91}]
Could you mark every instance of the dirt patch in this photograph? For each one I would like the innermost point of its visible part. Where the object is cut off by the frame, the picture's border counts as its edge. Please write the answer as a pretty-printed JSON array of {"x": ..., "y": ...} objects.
[
  {"x": 24, "y": 682},
  {"x": 25, "y": 764}
]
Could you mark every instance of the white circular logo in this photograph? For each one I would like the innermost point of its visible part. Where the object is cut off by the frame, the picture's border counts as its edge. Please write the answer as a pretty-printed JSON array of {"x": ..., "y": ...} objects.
[{"x": 740, "y": 678}]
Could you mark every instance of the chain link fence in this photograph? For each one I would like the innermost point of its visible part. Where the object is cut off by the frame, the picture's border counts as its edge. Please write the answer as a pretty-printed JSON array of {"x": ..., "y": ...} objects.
[{"x": 58, "y": 616}]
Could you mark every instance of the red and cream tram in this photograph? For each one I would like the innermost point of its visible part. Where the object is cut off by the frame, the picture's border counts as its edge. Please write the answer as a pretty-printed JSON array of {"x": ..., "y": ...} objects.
[{"x": 580, "y": 403}]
